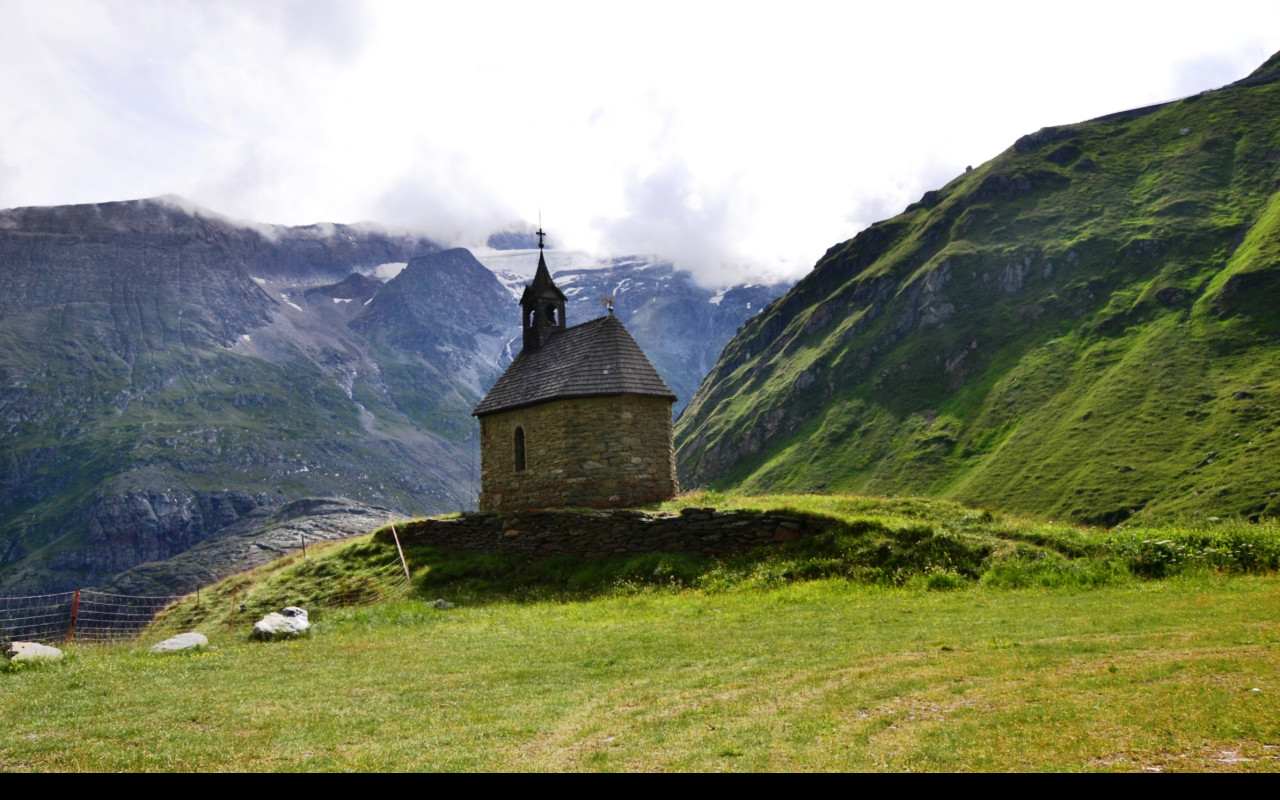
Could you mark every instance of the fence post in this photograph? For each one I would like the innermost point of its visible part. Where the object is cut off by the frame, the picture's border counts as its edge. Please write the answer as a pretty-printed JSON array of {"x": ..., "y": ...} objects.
[
  {"x": 75, "y": 610},
  {"x": 395, "y": 536}
]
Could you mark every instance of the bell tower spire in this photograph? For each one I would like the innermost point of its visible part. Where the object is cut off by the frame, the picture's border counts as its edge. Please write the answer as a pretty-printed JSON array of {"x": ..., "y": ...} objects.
[{"x": 542, "y": 304}]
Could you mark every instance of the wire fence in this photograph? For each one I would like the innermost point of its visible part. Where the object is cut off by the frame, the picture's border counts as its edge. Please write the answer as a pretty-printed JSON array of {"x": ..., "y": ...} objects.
[
  {"x": 82, "y": 615},
  {"x": 94, "y": 617}
]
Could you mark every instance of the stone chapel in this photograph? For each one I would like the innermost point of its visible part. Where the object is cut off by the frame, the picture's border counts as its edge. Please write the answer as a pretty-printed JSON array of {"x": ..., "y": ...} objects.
[{"x": 579, "y": 419}]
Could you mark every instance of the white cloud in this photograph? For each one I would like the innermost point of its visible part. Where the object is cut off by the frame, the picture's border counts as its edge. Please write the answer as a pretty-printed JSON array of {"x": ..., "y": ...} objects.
[
  {"x": 441, "y": 195},
  {"x": 726, "y": 137},
  {"x": 699, "y": 228}
]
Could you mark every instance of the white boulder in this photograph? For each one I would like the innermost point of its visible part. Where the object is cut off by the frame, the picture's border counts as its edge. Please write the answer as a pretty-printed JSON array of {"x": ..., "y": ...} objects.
[
  {"x": 183, "y": 641},
  {"x": 290, "y": 622},
  {"x": 32, "y": 651}
]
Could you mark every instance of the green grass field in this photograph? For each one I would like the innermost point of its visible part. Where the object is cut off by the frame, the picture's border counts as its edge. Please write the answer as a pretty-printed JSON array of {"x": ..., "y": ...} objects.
[{"x": 740, "y": 664}]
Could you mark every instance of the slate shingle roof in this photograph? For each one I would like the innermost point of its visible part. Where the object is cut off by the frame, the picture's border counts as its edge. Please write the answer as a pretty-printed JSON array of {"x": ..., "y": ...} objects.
[{"x": 594, "y": 359}]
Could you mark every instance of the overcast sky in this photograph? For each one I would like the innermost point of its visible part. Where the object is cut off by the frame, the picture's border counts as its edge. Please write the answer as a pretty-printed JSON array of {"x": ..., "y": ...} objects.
[{"x": 737, "y": 138}]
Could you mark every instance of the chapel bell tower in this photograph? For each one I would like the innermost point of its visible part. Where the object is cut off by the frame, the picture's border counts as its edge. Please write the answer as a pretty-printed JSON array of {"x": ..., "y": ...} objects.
[{"x": 543, "y": 306}]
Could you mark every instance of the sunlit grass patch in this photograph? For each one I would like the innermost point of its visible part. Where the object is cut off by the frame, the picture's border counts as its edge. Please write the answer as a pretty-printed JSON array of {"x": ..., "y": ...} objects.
[
  {"x": 917, "y": 635},
  {"x": 820, "y": 675}
]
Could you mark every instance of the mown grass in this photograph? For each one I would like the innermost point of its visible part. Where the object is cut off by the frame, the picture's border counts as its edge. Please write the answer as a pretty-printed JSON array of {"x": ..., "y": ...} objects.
[
  {"x": 819, "y": 675},
  {"x": 1052, "y": 648}
]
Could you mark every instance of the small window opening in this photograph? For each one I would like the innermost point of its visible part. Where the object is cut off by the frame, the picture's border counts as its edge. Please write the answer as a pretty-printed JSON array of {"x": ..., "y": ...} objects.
[
  {"x": 551, "y": 315},
  {"x": 519, "y": 449}
]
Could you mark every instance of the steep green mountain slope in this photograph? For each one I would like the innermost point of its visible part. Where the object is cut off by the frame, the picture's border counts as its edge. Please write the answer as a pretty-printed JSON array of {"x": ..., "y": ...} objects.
[{"x": 1085, "y": 326}]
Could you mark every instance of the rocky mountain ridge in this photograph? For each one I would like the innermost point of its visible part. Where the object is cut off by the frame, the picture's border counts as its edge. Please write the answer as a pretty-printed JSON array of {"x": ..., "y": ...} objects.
[{"x": 167, "y": 374}]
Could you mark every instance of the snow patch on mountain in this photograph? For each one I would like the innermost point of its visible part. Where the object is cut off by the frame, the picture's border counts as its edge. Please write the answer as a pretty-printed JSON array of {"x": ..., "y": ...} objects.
[{"x": 387, "y": 271}]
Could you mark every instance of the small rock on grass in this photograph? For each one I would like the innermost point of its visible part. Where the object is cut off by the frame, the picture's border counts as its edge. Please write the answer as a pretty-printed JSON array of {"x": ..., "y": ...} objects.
[
  {"x": 181, "y": 642},
  {"x": 442, "y": 603},
  {"x": 290, "y": 622},
  {"x": 32, "y": 651}
]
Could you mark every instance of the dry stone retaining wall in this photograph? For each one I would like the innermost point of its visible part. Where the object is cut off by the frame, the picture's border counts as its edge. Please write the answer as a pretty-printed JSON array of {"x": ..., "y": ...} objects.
[{"x": 597, "y": 534}]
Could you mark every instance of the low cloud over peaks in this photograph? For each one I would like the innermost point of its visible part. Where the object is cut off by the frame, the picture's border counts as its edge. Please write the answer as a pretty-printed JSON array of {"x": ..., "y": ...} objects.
[
  {"x": 699, "y": 228},
  {"x": 443, "y": 199}
]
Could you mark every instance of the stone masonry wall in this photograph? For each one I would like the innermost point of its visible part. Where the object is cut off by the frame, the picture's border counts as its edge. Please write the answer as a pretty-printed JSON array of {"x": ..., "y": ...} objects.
[
  {"x": 597, "y": 534},
  {"x": 590, "y": 452}
]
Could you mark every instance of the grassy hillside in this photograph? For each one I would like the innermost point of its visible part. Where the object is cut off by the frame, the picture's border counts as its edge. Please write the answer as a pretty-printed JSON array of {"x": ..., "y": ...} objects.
[
  {"x": 889, "y": 542},
  {"x": 1084, "y": 327},
  {"x": 832, "y": 653}
]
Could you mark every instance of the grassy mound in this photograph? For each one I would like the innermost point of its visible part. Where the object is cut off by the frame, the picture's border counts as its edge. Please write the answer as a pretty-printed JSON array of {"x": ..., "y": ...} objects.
[
  {"x": 934, "y": 544},
  {"x": 929, "y": 544},
  {"x": 332, "y": 575}
]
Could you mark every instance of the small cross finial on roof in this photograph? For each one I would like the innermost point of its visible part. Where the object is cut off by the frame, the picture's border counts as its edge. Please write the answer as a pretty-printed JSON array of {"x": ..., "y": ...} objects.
[
  {"x": 541, "y": 234},
  {"x": 607, "y": 301}
]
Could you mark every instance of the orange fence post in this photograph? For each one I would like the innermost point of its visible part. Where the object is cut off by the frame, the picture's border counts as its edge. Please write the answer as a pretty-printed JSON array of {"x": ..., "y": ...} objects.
[{"x": 75, "y": 609}]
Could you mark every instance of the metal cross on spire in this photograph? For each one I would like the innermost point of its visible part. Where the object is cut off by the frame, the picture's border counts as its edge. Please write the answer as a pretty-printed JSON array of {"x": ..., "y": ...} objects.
[{"x": 540, "y": 235}]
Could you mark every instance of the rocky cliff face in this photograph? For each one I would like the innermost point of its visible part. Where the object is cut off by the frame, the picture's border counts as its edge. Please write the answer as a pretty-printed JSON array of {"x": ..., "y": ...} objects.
[
  {"x": 261, "y": 535},
  {"x": 168, "y": 376},
  {"x": 140, "y": 417},
  {"x": 1084, "y": 326}
]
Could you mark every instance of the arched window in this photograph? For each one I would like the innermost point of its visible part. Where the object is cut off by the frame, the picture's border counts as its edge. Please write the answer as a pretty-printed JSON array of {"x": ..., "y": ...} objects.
[
  {"x": 519, "y": 449},
  {"x": 551, "y": 315}
]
